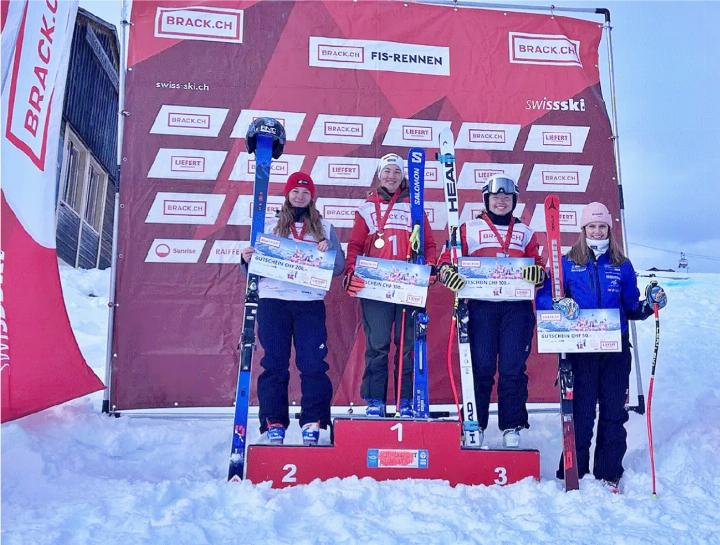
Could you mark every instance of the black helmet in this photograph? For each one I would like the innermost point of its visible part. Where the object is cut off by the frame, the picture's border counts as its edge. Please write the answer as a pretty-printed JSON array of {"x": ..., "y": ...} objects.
[
  {"x": 266, "y": 125},
  {"x": 500, "y": 183}
]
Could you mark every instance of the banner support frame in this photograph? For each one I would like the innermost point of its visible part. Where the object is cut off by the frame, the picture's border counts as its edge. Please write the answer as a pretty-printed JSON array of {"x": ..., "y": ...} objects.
[
  {"x": 112, "y": 292},
  {"x": 607, "y": 28}
]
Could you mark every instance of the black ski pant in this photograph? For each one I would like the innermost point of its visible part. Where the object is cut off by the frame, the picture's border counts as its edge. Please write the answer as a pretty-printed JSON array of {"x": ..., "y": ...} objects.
[
  {"x": 303, "y": 323},
  {"x": 380, "y": 321},
  {"x": 500, "y": 340},
  {"x": 601, "y": 382}
]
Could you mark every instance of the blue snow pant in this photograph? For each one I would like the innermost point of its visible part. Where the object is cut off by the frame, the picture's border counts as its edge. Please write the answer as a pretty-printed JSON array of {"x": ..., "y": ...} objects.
[
  {"x": 501, "y": 339},
  {"x": 380, "y": 321},
  {"x": 604, "y": 380},
  {"x": 303, "y": 322}
]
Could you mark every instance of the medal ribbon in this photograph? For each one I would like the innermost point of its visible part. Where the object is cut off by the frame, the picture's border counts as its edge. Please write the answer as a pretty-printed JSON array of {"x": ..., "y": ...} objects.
[
  {"x": 504, "y": 244},
  {"x": 296, "y": 235},
  {"x": 382, "y": 220}
]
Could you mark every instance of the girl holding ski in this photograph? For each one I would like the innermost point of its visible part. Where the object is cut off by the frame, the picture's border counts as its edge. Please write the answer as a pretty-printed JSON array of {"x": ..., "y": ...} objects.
[
  {"x": 500, "y": 331},
  {"x": 596, "y": 274},
  {"x": 381, "y": 229},
  {"x": 290, "y": 313}
]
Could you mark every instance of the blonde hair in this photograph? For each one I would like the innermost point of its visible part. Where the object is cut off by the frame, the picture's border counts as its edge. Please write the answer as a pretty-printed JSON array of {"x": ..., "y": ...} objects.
[
  {"x": 313, "y": 220},
  {"x": 580, "y": 252}
]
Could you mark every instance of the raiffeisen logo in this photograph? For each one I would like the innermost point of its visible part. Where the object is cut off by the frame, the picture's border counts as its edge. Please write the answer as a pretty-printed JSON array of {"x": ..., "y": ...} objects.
[
  {"x": 209, "y": 24},
  {"x": 549, "y": 49},
  {"x": 568, "y": 105},
  {"x": 379, "y": 55}
]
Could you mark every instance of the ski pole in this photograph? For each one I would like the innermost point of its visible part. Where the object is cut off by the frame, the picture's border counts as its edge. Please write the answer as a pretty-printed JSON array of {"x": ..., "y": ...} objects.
[
  {"x": 656, "y": 312},
  {"x": 451, "y": 337},
  {"x": 401, "y": 356}
]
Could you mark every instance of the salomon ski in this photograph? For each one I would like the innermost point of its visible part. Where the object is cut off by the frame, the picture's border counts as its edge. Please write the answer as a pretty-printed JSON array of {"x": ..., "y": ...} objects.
[
  {"x": 266, "y": 138},
  {"x": 461, "y": 317},
  {"x": 416, "y": 173},
  {"x": 565, "y": 374}
]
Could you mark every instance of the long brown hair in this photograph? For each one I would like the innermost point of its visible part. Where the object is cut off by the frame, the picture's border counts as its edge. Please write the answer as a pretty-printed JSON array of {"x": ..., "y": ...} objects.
[
  {"x": 312, "y": 219},
  {"x": 580, "y": 252}
]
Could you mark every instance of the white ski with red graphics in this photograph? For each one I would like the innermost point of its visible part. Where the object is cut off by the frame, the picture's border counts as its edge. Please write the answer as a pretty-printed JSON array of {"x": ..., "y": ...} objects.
[
  {"x": 416, "y": 173},
  {"x": 461, "y": 316},
  {"x": 565, "y": 374}
]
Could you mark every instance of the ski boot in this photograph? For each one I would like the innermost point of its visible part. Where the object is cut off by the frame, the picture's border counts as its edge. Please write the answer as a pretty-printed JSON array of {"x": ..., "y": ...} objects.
[
  {"x": 511, "y": 438},
  {"x": 406, "y": 408},
  {"x": 311, "y": 434},
  {"x": 375, "y": 407},
  {"x": 276, "y": 434}
]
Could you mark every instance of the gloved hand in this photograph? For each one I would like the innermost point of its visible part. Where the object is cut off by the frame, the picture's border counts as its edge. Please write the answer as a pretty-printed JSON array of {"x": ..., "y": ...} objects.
[
  {"x": 534, "y": 274},
  {"x": 450, "y": 278},
  {"x": 568, "y": 307},
  {"x": 353, "y": 284},
  {"x": 654, "y": 294}
]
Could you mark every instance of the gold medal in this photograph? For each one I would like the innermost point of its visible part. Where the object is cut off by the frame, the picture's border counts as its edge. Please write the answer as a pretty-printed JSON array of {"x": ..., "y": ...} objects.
[{"x": 379, "y": 243}]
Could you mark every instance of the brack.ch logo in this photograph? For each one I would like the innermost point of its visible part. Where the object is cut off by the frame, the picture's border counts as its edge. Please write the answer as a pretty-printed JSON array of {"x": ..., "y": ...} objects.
[{"x": 211, "y": 24}]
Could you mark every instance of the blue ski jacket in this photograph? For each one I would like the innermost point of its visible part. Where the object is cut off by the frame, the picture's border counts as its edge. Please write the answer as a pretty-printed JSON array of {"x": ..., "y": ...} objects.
[{"x": 599, "y": 284}]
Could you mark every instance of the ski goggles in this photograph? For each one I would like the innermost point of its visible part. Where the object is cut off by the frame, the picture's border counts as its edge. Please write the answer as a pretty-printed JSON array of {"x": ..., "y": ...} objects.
[{"x": 500, "y": 184}]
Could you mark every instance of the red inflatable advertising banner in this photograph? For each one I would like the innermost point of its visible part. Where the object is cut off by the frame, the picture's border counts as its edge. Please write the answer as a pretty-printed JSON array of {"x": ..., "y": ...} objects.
[{"x": 350, "y": 81}]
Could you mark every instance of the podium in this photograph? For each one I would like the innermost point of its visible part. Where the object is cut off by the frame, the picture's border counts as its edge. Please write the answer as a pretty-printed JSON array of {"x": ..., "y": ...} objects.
[{"x": 389, "y": 449}]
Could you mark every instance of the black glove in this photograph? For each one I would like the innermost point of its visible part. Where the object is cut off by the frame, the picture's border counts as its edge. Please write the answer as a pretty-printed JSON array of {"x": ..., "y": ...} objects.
[
  {"x": 450, "y": 278},
  {"x": 534, "y": 274}
]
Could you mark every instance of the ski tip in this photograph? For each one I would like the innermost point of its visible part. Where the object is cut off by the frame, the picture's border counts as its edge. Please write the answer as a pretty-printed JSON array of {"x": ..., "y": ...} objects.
[{"x": 552, "y": 201}]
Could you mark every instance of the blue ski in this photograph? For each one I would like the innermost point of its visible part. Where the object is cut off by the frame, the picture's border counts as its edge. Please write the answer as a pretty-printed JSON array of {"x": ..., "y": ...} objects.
[
  {"x": 264, "y": 133},
  {"x": 416, "y": 173}
]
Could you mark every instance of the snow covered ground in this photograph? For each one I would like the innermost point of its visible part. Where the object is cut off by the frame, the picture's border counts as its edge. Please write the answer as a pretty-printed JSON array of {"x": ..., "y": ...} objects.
[{"x": 73, "y": 476}]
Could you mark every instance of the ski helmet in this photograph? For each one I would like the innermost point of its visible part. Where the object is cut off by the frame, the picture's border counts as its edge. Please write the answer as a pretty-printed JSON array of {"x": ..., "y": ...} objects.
[
  {"x": 500, "y": 183},
  {"x": 270, "y": 126}
]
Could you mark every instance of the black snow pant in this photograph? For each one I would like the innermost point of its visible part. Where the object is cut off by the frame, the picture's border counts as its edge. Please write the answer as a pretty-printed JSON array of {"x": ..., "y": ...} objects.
[
  {"x": 380, "y": 321},
  {"x": 601, "y": 380},
  {"x": 302, "y": 322},
  {"x": 500, "y": 340}
]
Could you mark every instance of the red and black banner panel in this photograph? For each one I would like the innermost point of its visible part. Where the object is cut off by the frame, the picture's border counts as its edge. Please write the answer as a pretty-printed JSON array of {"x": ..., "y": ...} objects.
[{"x": 350, "y": 81}]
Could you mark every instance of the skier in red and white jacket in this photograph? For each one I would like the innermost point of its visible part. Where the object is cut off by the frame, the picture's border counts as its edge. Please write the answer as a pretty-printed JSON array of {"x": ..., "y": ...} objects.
[
  {"x": 500, "y": 331},
  {"x": 382, "y": 229}
]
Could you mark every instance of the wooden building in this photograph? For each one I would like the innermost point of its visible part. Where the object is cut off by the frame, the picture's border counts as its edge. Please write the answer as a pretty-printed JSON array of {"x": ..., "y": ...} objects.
[{"x": 87, "y": 162}]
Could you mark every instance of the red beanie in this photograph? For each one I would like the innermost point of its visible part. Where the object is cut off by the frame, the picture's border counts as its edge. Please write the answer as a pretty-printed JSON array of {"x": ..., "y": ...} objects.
[{"x": 300, "y": 179}]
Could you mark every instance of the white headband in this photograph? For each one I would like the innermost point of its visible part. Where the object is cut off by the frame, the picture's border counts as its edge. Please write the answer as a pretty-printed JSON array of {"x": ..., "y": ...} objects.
[{"x": 391, "y": 159}]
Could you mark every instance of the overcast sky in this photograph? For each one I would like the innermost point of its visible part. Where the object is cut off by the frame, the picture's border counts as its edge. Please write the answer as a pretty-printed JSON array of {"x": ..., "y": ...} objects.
[{"x": 666, "y": 77}]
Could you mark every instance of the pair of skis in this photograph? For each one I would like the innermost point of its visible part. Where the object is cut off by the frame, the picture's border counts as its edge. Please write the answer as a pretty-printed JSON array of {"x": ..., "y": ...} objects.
[
  {"x": 461, "y": 318},
  {"x": 565, "y": 374},
  {"x": 416, "y": 174},
  {"x": 263, "y": 158}
]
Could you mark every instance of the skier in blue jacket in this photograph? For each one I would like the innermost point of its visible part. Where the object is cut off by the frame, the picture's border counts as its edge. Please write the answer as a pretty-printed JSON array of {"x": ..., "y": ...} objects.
[{"x": 596, "y": 274}]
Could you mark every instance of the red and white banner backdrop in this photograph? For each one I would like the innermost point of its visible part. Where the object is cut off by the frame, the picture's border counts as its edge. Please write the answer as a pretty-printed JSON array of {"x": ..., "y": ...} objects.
[
  {"x": 41, "y": 362},
  {"x": 350, "y": 81}
]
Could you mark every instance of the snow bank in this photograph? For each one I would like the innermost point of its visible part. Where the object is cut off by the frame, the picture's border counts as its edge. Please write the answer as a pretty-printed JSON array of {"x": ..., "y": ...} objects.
[{"x": 73, "y": 476}]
